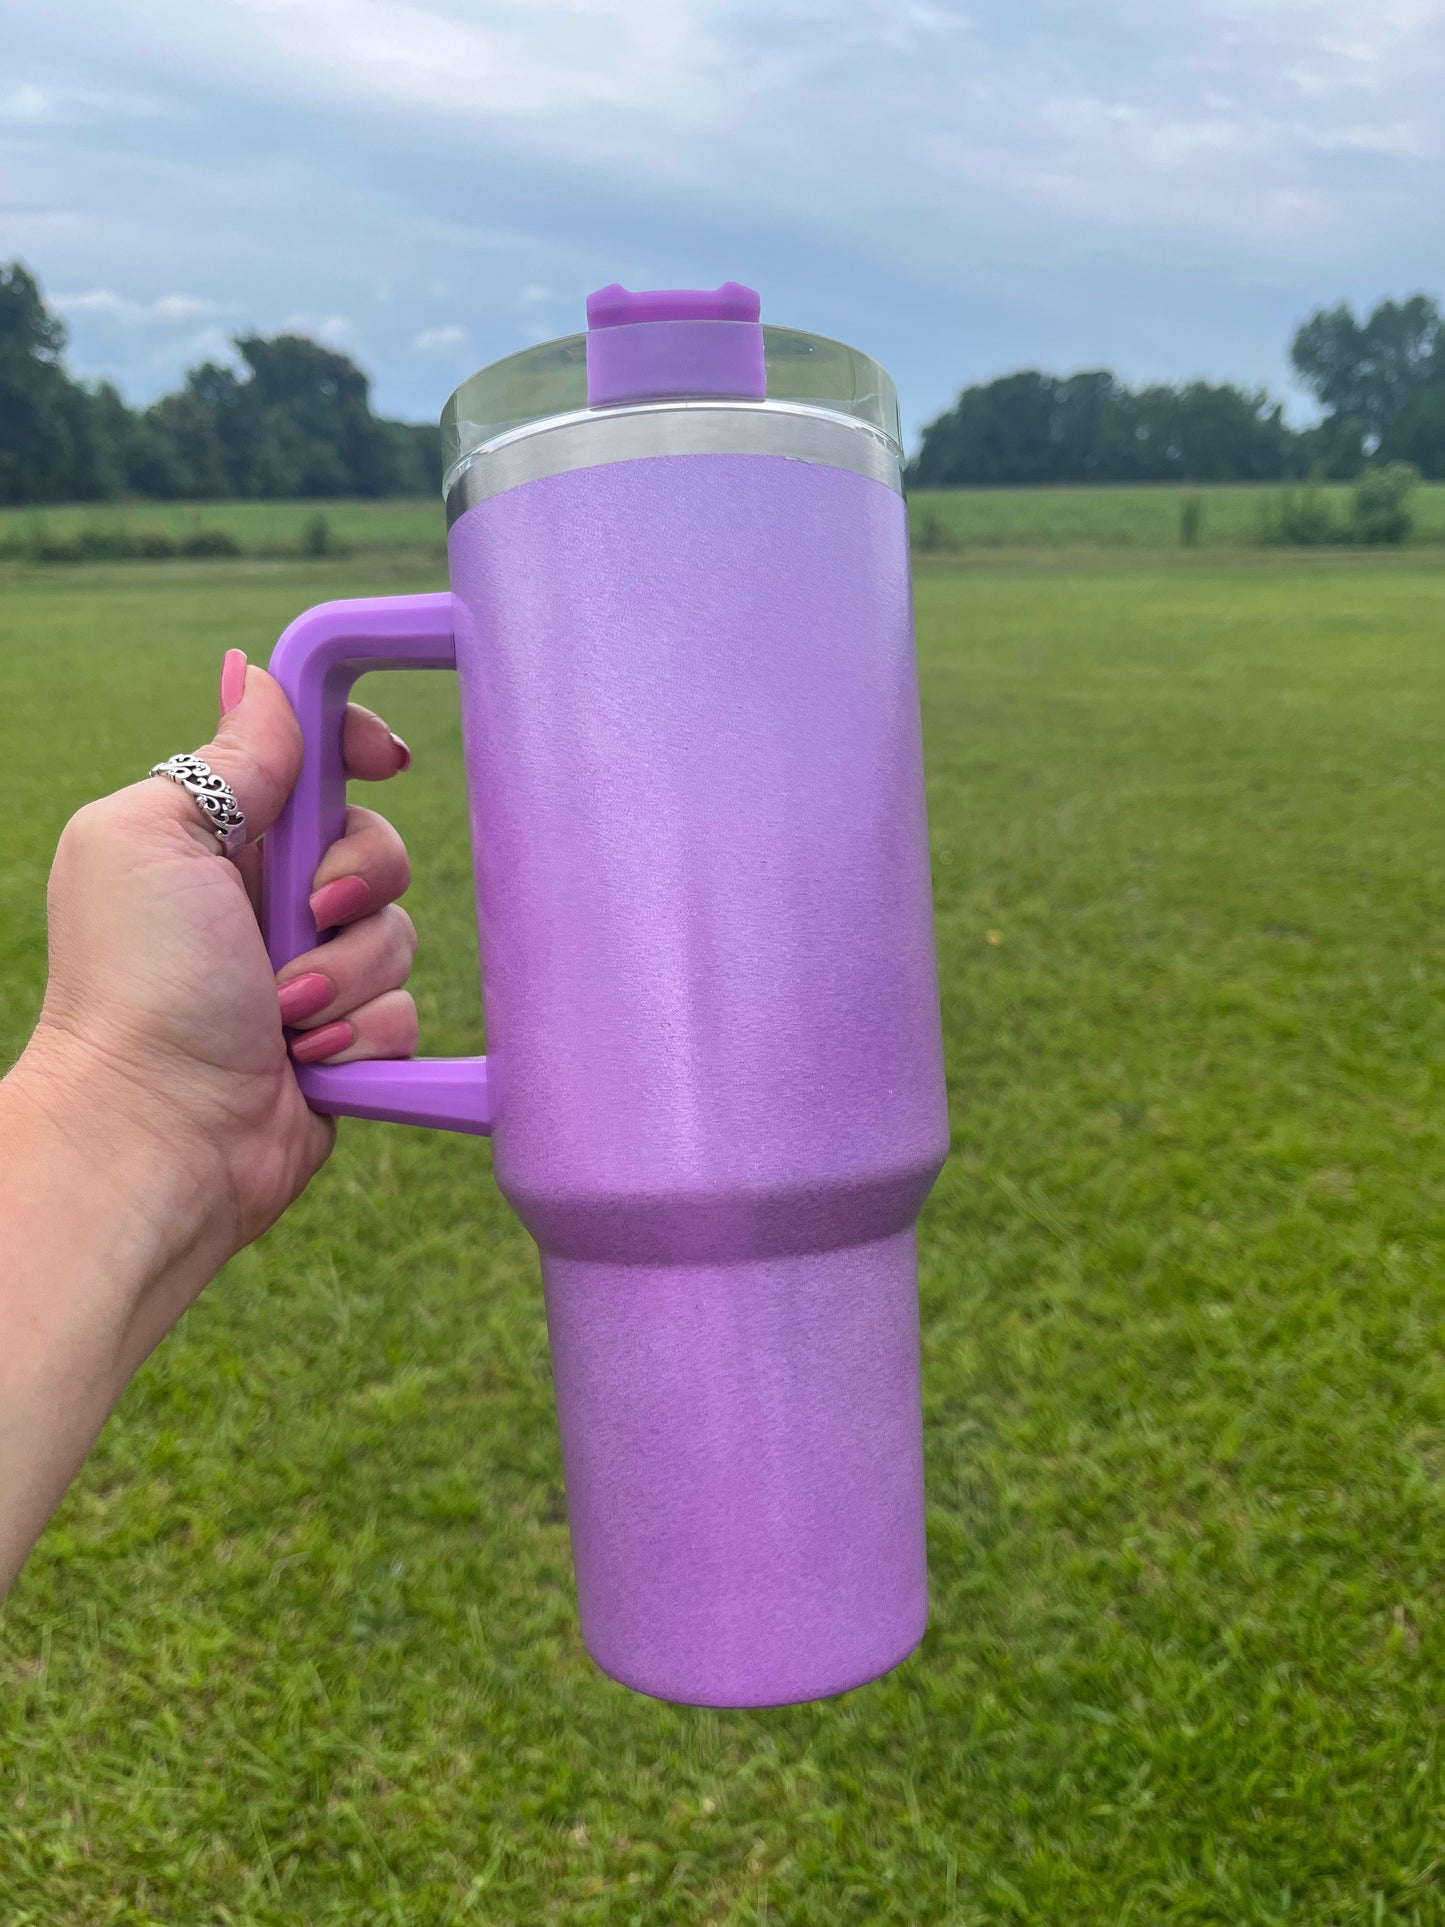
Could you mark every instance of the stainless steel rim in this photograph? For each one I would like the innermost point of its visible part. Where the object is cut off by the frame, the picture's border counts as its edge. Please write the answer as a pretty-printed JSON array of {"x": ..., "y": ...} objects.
[{"x": 588, "y": 440}]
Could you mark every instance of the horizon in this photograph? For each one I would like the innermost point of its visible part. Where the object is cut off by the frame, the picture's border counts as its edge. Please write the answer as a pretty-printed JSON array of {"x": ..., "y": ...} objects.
[{"x": 1304, "y": 412}]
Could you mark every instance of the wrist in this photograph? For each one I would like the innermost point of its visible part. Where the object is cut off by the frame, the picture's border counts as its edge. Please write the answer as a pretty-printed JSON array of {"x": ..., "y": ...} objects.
[
  {"x": 106, "y": 1236},
  {"x": 93, "y": 1238},
  {"x": 90, "y": 1168}
]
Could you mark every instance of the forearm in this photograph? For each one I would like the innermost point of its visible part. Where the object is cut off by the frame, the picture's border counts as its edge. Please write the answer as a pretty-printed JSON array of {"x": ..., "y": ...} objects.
[{"x": 101, "y": 1247}]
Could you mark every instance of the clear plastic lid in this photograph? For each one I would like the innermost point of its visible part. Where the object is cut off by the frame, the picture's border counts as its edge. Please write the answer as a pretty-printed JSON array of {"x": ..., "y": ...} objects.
[{"x": 548, "y": 381}]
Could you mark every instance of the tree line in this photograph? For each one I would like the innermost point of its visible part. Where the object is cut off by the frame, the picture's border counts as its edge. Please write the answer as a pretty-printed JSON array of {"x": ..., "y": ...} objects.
[
  {"x": 293, "y": 420},
  {"x": 1380, "y": 382}
]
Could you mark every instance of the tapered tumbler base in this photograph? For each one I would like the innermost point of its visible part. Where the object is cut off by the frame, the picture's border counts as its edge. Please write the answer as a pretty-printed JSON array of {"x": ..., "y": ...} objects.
[{"x": 743, "y": 1452}]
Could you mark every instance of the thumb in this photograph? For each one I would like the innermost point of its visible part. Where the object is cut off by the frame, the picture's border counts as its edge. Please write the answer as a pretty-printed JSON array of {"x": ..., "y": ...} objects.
[{"x": 257, "y": 747}]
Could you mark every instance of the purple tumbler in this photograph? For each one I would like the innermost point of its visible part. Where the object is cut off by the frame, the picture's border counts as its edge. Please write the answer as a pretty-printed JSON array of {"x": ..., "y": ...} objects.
[{"x": 681, "y": 627}]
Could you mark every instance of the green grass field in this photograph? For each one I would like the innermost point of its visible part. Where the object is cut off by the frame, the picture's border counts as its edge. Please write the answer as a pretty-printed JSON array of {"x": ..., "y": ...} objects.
[
  {"x": 301, "y": 1648},
  {"x": 1126, "y": 518},
  {"x": 946, "y": 520},
  {"x": 401, "y": 523}
]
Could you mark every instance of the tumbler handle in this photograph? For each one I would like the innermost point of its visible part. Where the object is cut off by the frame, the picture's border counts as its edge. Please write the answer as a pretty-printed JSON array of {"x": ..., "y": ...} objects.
[{"x": 316, "y": 661}]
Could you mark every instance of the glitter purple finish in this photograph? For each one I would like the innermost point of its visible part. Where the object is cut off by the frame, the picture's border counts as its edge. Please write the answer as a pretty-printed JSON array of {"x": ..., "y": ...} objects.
[
  {"x": 690, "y": 709},
  {"x": 715, "y": 1078}
]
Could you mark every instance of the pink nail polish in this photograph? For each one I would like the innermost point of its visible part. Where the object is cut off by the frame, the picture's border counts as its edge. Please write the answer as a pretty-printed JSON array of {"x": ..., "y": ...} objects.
[
  {"x": 340, "y": 901},
  {"x": 402, "y": 751},
  {"x": 304, "y": 996},
  {"x": 233, "y": 679},
  {"x": 326, "y": 1042}
]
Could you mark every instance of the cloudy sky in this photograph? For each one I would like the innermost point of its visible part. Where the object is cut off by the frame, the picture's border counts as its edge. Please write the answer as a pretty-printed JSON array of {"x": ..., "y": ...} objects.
[{"x": 1163, "y": 186}]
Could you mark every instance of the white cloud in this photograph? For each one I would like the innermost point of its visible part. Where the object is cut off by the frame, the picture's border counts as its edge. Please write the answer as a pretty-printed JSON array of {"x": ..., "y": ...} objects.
[
  {"x": 27, "y": 102},
  {"x": 431, "y": 340},
  {"x": 184, "y": 307},
  {"x": 105, "y": 302},
  {"x": 334, "y": 329},
  {"x": 522, "y": 62},
  {"x": 207, "y": 344},
  {"x": 39, "y": 103},
  {"x": 902, "y": 126}
]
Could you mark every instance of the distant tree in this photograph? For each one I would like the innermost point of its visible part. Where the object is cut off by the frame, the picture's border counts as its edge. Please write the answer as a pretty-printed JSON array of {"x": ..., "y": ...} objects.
[
  {"x": 1022, "y": 428},
  {"x": 37, "y": 446},
  {"x": 94, "y": 441},
  {"x": 416, "y": 453},
  {"x": 113, "y": 429},
  {"x": 1202, "y": 432},
  {"x": 1381, "y": 381},
  {"x": 294, "y": 419},
  {"x": 181, "y": 436},
  {"x": 1037, "y": 428},
  {"x": 309, "y": 409},
  {"x": 1330, "y": 451},
  {"x": 154, "y": 465},
  {"x": 1419, "y": 439},
  {"x": 29, "y": 333}
]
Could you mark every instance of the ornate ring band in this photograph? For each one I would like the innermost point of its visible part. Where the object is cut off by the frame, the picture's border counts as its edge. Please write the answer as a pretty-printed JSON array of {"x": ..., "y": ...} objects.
[{"x": 214, "y": 796}]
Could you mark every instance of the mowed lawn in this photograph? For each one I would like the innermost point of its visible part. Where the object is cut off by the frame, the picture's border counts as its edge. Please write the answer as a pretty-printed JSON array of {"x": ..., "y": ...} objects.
[{"x": 301, "y": 1645}]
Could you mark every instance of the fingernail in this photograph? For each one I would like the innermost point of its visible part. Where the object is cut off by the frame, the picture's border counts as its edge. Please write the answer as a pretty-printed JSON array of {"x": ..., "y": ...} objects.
[
  {"x": 403, "y": 752},
  {"x": 325, "y": 1042},
  {"x": 233, "y": 679},
  {"x": 338, "y": 902},
  {"x": 304, "y": 996}
]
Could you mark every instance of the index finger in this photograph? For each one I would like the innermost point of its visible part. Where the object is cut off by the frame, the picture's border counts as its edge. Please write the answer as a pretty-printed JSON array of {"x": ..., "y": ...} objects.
[{"x": 371, "y": 751}]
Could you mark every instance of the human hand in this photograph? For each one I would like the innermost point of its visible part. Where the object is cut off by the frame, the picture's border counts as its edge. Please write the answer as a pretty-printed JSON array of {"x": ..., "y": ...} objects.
[{"x": 162, "y": 1020}]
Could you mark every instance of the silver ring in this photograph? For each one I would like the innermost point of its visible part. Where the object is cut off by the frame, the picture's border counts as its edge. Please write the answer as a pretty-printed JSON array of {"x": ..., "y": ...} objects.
[{"x": 214, "y": 795}]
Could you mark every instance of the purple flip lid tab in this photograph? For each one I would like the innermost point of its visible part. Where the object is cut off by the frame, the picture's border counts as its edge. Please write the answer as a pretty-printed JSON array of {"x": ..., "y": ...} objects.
[{"x": 704, "y": 343}]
